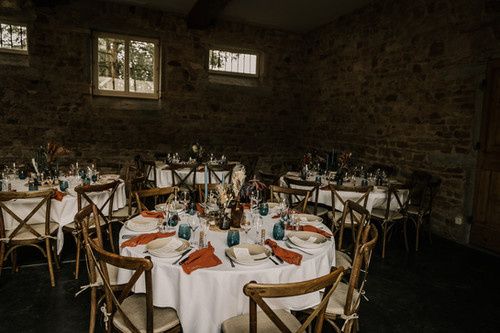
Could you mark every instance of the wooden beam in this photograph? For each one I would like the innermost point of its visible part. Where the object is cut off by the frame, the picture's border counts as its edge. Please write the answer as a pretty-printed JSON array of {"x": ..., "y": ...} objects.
[{"x": 204, "y": 13}]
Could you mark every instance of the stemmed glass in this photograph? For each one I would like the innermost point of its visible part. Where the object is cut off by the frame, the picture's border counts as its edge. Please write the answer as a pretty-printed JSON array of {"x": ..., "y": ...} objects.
[
  {"x": 255, "y": 198},
  {"x": 258, "y": 223},
  {"x": 194, "y": 223},
  {"x": 246, "y": 225}
]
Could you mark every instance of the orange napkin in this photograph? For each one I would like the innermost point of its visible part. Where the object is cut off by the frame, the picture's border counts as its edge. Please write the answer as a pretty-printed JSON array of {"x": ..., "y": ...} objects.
[
  {"x": 311, "y": 228},
  {"x": 146, "y": 238},
  {"x": 200, "y": 209},
  {"x": 58, "y": 195},
  {"x": 246, "y": 206},
  {"x": 202, "y": 258},
  {"x": 156, "y": 215},
  {"x": 290, "y": 257}
]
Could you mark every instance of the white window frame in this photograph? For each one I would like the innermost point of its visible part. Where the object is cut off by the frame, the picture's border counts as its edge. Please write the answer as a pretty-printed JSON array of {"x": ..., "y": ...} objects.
[
  {"x": 256, "y": 53},
  {"x": 126, "y": 92},
  {"x": 16, "y": 51}
]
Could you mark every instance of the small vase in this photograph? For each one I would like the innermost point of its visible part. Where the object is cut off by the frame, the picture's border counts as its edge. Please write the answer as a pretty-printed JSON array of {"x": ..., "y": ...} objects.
[{"x": 236, "y": 215}]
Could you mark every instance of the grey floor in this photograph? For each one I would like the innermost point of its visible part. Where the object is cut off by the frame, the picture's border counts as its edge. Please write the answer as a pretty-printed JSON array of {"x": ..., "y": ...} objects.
[{"x": 445, "y": 287}]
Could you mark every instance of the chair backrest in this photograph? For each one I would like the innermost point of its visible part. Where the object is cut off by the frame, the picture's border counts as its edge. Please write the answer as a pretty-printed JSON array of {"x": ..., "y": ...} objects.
[
  {"x": 183, "y": 180},
  {"x": 339, "y": 201},
  {"x": 423, "y": 188},
  {"x": 133, "y": 185},
  {"x": 268, "y": 178},
  {"x": 164, "y": 193},
  {"x": 149, "y": 172},
  {"x": 226, "y": 170},
  {"x": 23, "y": 223},
  {"x": 83, "y": 192},
  {"x": 99, "y": 259},
  {"x": 297, "y": 198},
  {"x": 86, "y": 220},
  {"x": 308, "y": 185},
  {"x": 359, "y": 271},
  {"x": 358, "y": 217},
  {"x": 258, "y": 292},
  {"x": 396, "y": 191}
]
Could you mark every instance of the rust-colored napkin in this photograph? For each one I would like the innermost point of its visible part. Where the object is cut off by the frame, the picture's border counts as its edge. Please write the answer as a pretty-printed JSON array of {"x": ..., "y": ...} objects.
[
  {"x": 200, "y": 209},
  {"x": 311, "y": 228},
  {"x": 146, "y": 238},
  {"x": 58, "y": 195},
  {"x": 290, "y": 257},
  {"x": 202, "y": 258},
  {"x": 156, "y": 215}
]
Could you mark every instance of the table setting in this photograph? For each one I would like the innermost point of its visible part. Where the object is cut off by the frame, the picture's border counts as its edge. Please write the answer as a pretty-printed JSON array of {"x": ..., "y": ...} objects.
[{"x": 200, "y": 269}]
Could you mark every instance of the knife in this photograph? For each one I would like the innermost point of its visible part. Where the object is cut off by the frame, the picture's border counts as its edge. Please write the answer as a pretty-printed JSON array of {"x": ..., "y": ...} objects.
[
  {"x": 279, "y": 259},
  {"x": 230, "y": 260},
  {"x": 182, "y": 255}
]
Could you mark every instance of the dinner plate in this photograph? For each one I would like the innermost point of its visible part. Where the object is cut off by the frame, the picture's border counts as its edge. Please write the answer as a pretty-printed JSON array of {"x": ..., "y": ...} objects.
[
  {"x": 110, "y": 176},
  {"x": 167, "y": 247},
  {"x": 142, "y": 225},
  {"x": 307, "y": 239},
  {"x": 308, "y": 219},
  {"x": 248, "y": 254}
]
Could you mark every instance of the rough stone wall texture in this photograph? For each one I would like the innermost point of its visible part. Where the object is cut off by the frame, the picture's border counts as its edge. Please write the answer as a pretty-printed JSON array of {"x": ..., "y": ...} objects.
[
  {"x": 51, "y": 99},
  {"x": 399, "y": 82}
]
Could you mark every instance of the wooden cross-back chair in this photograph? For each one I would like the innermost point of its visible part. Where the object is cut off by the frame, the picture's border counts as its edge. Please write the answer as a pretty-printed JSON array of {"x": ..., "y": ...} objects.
[
  {"x": 356, "y": 218},
  {"x": 126, "y": 312},
  {"x": 297, "y": 198},
  {"x": 159, "y": 195},
  {"x": 344, "y": 303},
  {"x": 132, "y": 185},
  {"x": 216, "y": 171},
  {"x": 148, "y": 169},
  {"x": 29, "y": 231},
  {"x": 389, "y": 217},
  {"x": 270, "y": 320},
  {"x": 86, "y": 220},
  {"x": 313, "y": 187},
  {"x": 183, "y": 181},
  {"x": 363, "y": 193},
  {"x": 268, "y": 179},
  {"x": 83, "y": 198},
  {"x": 201, "y": 190},
  {"x": 423, "y": 189}
]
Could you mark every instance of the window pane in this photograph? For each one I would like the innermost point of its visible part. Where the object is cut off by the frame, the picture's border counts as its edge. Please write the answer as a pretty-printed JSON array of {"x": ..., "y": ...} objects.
[
  {"x": 224, "y": 61},
  {"x": 13, "y": 37},
  {"x": 111, "y": 64},
  {"x": 141, "y": 59}
]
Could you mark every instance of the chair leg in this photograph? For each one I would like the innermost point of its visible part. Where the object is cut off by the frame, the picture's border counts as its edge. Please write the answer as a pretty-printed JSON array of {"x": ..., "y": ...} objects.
[
  {"x": 111, "y": 240},
  {"x": 48, "y": 250},
  {"x": 93, "y": 309},
  {"x": 77, "y": 262},
  {"x": 13, "y": 258},
  {"x": 417, "y": 232},
  {"x": 405, "y": 235},
  {"x": 56, "y": 257},
  {"x": 429, "y": 229},
  {"x": 2, "y": 254},
  {"x": 384, "y": 238}
]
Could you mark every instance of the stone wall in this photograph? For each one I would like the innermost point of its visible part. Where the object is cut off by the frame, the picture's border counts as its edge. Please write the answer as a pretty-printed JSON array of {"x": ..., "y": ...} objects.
[
  {"x": 399, "y": 82},
  {"x": 48, "y": 97}
]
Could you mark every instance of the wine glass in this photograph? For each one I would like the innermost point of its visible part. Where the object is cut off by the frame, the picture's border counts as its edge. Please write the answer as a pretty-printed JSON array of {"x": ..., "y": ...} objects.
[
  {"x": 255, "y": 198},
  {"x": 194, "y": 223},
  {"x": 258, "y": 223},
  {"x": 246, "y": 225}
]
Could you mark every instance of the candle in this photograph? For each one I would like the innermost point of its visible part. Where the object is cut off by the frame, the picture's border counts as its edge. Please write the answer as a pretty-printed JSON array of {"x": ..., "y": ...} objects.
[{"x": 206, "y": 183}]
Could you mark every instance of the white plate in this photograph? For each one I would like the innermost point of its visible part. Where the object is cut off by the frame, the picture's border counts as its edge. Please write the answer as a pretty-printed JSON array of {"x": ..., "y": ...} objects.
[
  {"x": 308, "y": 219},
  {"x": 142, "y": 225},
  {"x": 306, "y": 239},
  {"x": 256, "y": 254},
  {"x": 167, "y": 247}
]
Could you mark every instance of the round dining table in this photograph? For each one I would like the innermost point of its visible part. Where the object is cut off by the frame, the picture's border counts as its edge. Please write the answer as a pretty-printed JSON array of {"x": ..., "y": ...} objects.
[
  {"x": 208, "y": 296},
  {"x": 61, "y": 211}
]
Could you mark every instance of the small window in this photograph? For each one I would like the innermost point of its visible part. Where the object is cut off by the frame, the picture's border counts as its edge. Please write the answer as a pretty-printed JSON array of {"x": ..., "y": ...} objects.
[
  {"x": 126, "y": 66},
  {"x": 13, "y": 38},
  {"x": 233, "y": 63}
]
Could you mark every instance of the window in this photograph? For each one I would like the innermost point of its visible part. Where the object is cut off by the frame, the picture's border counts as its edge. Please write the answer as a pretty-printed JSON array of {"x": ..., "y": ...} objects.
[
  {"x": 233, "y": 63},
  {"x": 126, "y": 66},
  {"x": 13, "y": 38}
]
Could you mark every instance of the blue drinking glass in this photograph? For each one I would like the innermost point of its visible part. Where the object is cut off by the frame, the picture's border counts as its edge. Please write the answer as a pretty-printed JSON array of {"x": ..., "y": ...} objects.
[
  {"x": 184, "y": 231},
  {"x": 94, "y": 178},
  {"x": 63, "y": 185},
  {"x": 264, "y": 209},
  {"x": 173, "y": 220},
  {"x": 233, "y": 237},
  {"x": 278, "y": 231},
  {"x": 22, "y": 174}
]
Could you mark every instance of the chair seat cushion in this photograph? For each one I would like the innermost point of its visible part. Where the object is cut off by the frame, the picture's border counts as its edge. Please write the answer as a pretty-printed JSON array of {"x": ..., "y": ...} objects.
[
  {"x": 380, "y": 214},
  {"x": 342, "y": 259},
  {"x": 112, "y": 273},
  {"x": 24, "y": 234},
  {"x": 337, "y": 301},
  {"x": 135, "y": 309},
  {"x": 264, "y": 324}
]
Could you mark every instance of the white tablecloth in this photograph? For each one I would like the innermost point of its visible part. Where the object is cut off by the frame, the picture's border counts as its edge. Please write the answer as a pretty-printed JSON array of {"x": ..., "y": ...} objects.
[
  {"x": 62, "y": 212},
  {"x": 207, "y": 297},
  {"x": 164, "y": 176},
  {"x": 376, "y": 199}
]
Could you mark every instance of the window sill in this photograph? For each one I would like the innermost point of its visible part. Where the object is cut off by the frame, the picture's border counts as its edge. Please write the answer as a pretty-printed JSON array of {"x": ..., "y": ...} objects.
[{"x": 125, "y": 103}]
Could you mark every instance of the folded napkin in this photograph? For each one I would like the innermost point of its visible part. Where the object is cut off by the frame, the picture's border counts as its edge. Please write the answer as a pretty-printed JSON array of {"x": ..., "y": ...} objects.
[
  {"x": 58, "y": 195},
  {"x": 146, "y": 238},
  {"x": 156, "y": 215},
  {"x": 290, "y": 257},
  {"x": 311, "y": 228},
  {"x": 202, "y": 258}
]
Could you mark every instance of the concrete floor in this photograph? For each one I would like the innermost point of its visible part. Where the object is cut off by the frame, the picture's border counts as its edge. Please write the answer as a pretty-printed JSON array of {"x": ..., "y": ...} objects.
[{"x": 445, "y": 287}]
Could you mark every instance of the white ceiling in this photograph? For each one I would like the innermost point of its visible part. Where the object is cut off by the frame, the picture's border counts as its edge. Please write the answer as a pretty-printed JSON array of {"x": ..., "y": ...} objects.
[{"x": 292, "y": 15}]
